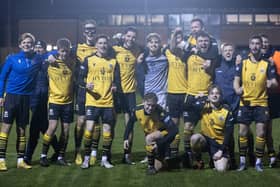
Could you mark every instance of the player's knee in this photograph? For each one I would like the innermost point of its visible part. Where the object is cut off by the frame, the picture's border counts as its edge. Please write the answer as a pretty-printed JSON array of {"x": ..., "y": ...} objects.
[
  {"x": 149, "y": 139},
  {"x": 197, "y": 143}
]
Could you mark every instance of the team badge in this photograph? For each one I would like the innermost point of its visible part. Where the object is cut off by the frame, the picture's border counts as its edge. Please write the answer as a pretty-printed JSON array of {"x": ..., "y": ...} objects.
[
  {"x": 88, "y": 112},
  {"x": 110, "y": 66},
  {"x": 262, "y": 70},
  {"x": 51, "y": 112},
  {"x": 102, "y": 71},
  {"x": 185, "y": 114},
  {"x": 126, "y": 58},
  {"x": 253, "y": 77},
  {"x": 221, "y": 118},
  {"x": 239, "y": 113},
  {"x": 6, "y": 114},
  {"x": 65, "y": 72},
  {"x": 211, "y": 121}
]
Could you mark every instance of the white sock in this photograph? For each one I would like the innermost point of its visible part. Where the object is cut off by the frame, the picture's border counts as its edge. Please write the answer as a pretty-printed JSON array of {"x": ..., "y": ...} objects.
[
  {"x": 2, "y": 159},
  {"x": 104, "y": 158},
  {"x": 93, "y": 153},
  {"x": 272, "y": 159},
  {"x": 258, "y": 161},
  {"x": 59, "y": 158},
  {"x": 243, "y": 159},
  {"x": 43, "y": 155},
  {"x": 126, "y": 156},
  {"x": 19, "y": 160},
  {"x": 86, "y": 159}
]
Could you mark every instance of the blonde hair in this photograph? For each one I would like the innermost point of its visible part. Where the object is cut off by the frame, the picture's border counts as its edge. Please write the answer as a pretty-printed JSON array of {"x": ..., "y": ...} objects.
[
  {"x": 153, "y": 35},
  {"x": 26, "y": 35}
]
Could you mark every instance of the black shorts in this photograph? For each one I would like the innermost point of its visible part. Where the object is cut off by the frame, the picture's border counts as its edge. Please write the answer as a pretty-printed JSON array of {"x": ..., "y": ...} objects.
[
  {"x": 16, "y": 107},
  {"x": 94, "y": 113},
  {"x": 80, "y": 107},
  {"x": 64, "y": 112},
  {"x": 124, "y": 102},
  {"x": 274, "y": 105},
  {"x": 213, "y": 147},
  {"x": 175, "y": 104},
  {"x": 247, "y": 114},
  {"x": 191, "y": 113}
]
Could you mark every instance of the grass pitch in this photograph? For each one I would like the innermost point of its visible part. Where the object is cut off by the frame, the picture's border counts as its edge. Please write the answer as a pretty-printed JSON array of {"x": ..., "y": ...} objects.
[{"x": 135, "y": 175}]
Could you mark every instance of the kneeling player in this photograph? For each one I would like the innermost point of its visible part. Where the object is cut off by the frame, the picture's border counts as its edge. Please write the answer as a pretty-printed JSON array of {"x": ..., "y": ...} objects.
[
  {"x": 159, "y": 129},
  {"x": 216, "y": 130}
]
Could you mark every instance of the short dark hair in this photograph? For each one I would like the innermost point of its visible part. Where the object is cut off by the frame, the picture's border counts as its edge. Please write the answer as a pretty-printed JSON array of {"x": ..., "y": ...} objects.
[
  {"x": 202, "y": 34},
  {"x": 214, "y": 86},
  {"x": 102, "y": 36},
  {"x": 263, "y": 35},
  {"x": 130, "y": 28},
  {"x": 150, "y": 97},
  {"x": 256, "y": 37},
  {"x": 198, "y": 20},
  {"x": 63, "y": 43}
]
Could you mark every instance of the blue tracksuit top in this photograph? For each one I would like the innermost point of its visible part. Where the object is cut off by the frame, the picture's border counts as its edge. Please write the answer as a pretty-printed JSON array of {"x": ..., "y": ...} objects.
[
  {"x": 19, "y": 73},
  {"x": 224, "y": 76}
]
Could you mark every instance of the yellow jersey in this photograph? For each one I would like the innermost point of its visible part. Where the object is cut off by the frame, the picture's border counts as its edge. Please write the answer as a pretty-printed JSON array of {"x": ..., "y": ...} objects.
[
  {"x": 84, "y": 50},
  {"x": 127, "y": 62},
  {"x": 60, "y": 75},
  {"x": 198, "y": 79},
  {"x": 100, "y": 72},
  {"x": 213, "y": 122},
  {"x": 253, "y": 80},
  {"x": 176, "y": 80}
]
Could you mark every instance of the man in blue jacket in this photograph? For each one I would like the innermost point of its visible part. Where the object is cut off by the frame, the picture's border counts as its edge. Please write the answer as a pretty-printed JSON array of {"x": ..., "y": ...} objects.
[{"x": 17, "y": 80}]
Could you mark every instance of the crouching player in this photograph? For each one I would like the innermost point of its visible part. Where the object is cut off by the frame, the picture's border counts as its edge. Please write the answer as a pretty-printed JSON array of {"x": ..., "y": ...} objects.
[
  {"x": 216, "y": 130},
  {"x": 60, "y": 75},
  {"x": 158, "y": 127}
]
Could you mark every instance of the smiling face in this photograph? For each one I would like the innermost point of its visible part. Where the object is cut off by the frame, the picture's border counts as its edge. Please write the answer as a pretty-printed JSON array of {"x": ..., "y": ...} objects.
[
  {"x": 227, "y": 52},
  {"x": 154, "y": 45},
  {"x": 129, "y": 39},
  {"x": 89, "y": 33},
  {"x": 26, "y": 45},
  {"x": 102, "y": 46},
  {"x": 63, "y": 53},
  {"x": 39, "y": 49},
  {"x": 215, "y": 96},
  {"x": 265, "y": 45}
]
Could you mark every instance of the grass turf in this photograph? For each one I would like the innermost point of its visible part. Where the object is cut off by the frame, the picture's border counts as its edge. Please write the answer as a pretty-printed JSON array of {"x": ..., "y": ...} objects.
[{"x": 135, "y": 175}]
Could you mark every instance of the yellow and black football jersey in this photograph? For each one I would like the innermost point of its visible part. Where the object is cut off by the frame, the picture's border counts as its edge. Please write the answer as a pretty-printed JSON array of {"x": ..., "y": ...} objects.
[
  {"x": 213, "y": 122},
  {"x": 101, "y": 73},
  {"x": 127, "y": 63},
  {"x": 191, "y": 40},
  {"x": 176, "y": 81},
  {"x": 60, "y": 76},
  {"x": 83, "y": 51},
  {"x": 198, "y": 79},
  {"x": 254, "y": 76}
]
